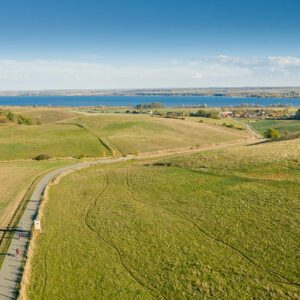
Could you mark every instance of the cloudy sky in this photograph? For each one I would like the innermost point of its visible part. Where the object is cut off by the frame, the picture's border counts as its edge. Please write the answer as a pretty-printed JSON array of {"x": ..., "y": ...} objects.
[{"x": 146, "y": 44}]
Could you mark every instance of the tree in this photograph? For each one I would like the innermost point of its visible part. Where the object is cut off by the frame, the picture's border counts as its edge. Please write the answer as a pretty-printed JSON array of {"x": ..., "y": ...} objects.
[
  {"x": 272, "y": 133},
  {"x": 297, "y": 116}
]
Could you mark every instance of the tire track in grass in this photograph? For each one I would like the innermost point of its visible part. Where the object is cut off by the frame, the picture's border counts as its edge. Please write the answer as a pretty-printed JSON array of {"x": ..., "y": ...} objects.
[
  {"x": 73, "y": 268},
  {"x": 90, "y": 207},
  {"x": 216, "y": 239},
  {"x": 104, "y": 141},
  {"x": 45, "y": 268}
]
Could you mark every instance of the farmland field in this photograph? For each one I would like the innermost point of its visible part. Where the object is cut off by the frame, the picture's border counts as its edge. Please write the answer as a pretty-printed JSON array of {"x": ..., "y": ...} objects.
[
  {"x": 103, "y": 135},
  {"x": 220, "y": 224},
  {"x": 282, "y": 126}
]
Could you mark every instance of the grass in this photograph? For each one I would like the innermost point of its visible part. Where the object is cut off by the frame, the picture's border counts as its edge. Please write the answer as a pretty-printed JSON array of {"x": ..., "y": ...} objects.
[
  {"x": 220, "y": 224},
  {"x": 16, "y": 179},
  {"x": 282, "y": 126},
  {"x": 220, "y": 122},
  {"x": 134, "y": 134},
  {"x": 56, "y": 140},
  {"x": 46, "y": 115},
  {"x": 106, "y": 134}
]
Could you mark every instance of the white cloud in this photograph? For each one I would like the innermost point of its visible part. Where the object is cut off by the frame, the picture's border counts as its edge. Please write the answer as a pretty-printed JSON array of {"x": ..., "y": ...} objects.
[
  {"x": 285, "y": 61},
  {"x": 228, "y": 59},
  {"x": 222, "y": 70}
]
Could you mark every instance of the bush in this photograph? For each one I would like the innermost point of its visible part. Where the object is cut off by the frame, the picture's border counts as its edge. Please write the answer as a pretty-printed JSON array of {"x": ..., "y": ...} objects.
[
  {"x": 10, "y": 116},
  {"x": 3, "y": 119},
  {"x": 272, "y": 133},
  {"x": 22, "y": 120},
  {"x": 228, "y": 125},
  {"x": 42, "y": 157}
]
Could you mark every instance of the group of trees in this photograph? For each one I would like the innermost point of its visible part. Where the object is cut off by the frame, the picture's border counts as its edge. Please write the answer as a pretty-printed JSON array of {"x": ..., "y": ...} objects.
[
  {"x": 213, "y": 114},
  {"x": 149, "y": 105},
  {"x": 9, "y": 116}
]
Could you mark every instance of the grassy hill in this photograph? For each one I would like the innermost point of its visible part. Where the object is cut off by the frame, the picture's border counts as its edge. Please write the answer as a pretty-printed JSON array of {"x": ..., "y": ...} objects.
[
  {"x": 219, "y": 224},
  {"x": 131, "y": 134},
  {"x": 104, "y": 135}
]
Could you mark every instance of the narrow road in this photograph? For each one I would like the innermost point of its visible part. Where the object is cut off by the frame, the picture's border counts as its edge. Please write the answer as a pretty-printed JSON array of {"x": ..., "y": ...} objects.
[{"x": 12, "y": 267}]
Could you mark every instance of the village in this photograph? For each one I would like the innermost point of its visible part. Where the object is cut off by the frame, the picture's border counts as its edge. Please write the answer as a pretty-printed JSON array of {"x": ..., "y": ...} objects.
[{"x": 217, "y": 113}]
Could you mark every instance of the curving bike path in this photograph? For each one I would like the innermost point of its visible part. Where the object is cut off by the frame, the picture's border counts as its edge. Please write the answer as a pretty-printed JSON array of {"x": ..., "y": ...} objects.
[{"x": 12, "y": 267}]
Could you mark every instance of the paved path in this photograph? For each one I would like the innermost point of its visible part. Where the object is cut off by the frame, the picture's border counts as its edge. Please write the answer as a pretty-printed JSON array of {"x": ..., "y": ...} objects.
[{"x": 11, "y": 270}]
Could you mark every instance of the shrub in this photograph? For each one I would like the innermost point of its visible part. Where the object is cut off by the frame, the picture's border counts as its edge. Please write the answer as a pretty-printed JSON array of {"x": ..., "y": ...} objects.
[
  {"x": 42, "y": 157},
  {"x": 272, "y": 133},
  {"x": 22, "y": 120},
  {"x": 3, "y": 119},
  {"x": 10, "y": 116}
]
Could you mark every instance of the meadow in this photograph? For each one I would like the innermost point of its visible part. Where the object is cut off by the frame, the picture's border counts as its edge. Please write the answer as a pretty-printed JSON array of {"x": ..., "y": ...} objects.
[
  {"x": 219, "y": 224},
  {"x": 66, "y": 134}
]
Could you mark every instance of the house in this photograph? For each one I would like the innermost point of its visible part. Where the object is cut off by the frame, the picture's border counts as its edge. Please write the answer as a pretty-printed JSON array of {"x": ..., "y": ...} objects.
[{"x": 226, "y": 114}]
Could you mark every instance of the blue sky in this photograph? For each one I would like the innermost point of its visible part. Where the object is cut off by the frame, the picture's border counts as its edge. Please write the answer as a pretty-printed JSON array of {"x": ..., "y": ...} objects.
[{"x": 135, "y": 44}]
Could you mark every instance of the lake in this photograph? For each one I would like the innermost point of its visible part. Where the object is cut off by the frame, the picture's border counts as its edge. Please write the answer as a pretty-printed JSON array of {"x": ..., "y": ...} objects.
[{"x": 134, "y": 100}]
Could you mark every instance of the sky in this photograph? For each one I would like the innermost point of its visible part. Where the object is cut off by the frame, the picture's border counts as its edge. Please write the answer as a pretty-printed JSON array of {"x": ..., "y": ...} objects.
[{"x": 111, "y": 44}]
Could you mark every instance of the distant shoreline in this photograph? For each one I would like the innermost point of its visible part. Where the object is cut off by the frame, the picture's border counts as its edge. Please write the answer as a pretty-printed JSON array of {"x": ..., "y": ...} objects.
[
  {"x": 167, "y": 101},
  {"x": 241, "y": 92}
]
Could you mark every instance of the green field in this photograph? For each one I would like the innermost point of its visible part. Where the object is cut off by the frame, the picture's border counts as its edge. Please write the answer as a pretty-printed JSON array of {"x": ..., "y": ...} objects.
[
  {"x": 103, "y": 135},
  {"x": 21, "y": 141},
  {"x": 219, "y": 224},
  {"x": 283, "y": 126}
]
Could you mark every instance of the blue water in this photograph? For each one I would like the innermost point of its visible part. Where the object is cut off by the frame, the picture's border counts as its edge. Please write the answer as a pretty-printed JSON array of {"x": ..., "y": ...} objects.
[{"x": 133, "y": 100}]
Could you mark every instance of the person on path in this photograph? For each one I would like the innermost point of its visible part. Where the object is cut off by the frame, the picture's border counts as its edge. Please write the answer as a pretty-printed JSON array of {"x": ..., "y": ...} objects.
[{"x": 17, "y": 252}]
